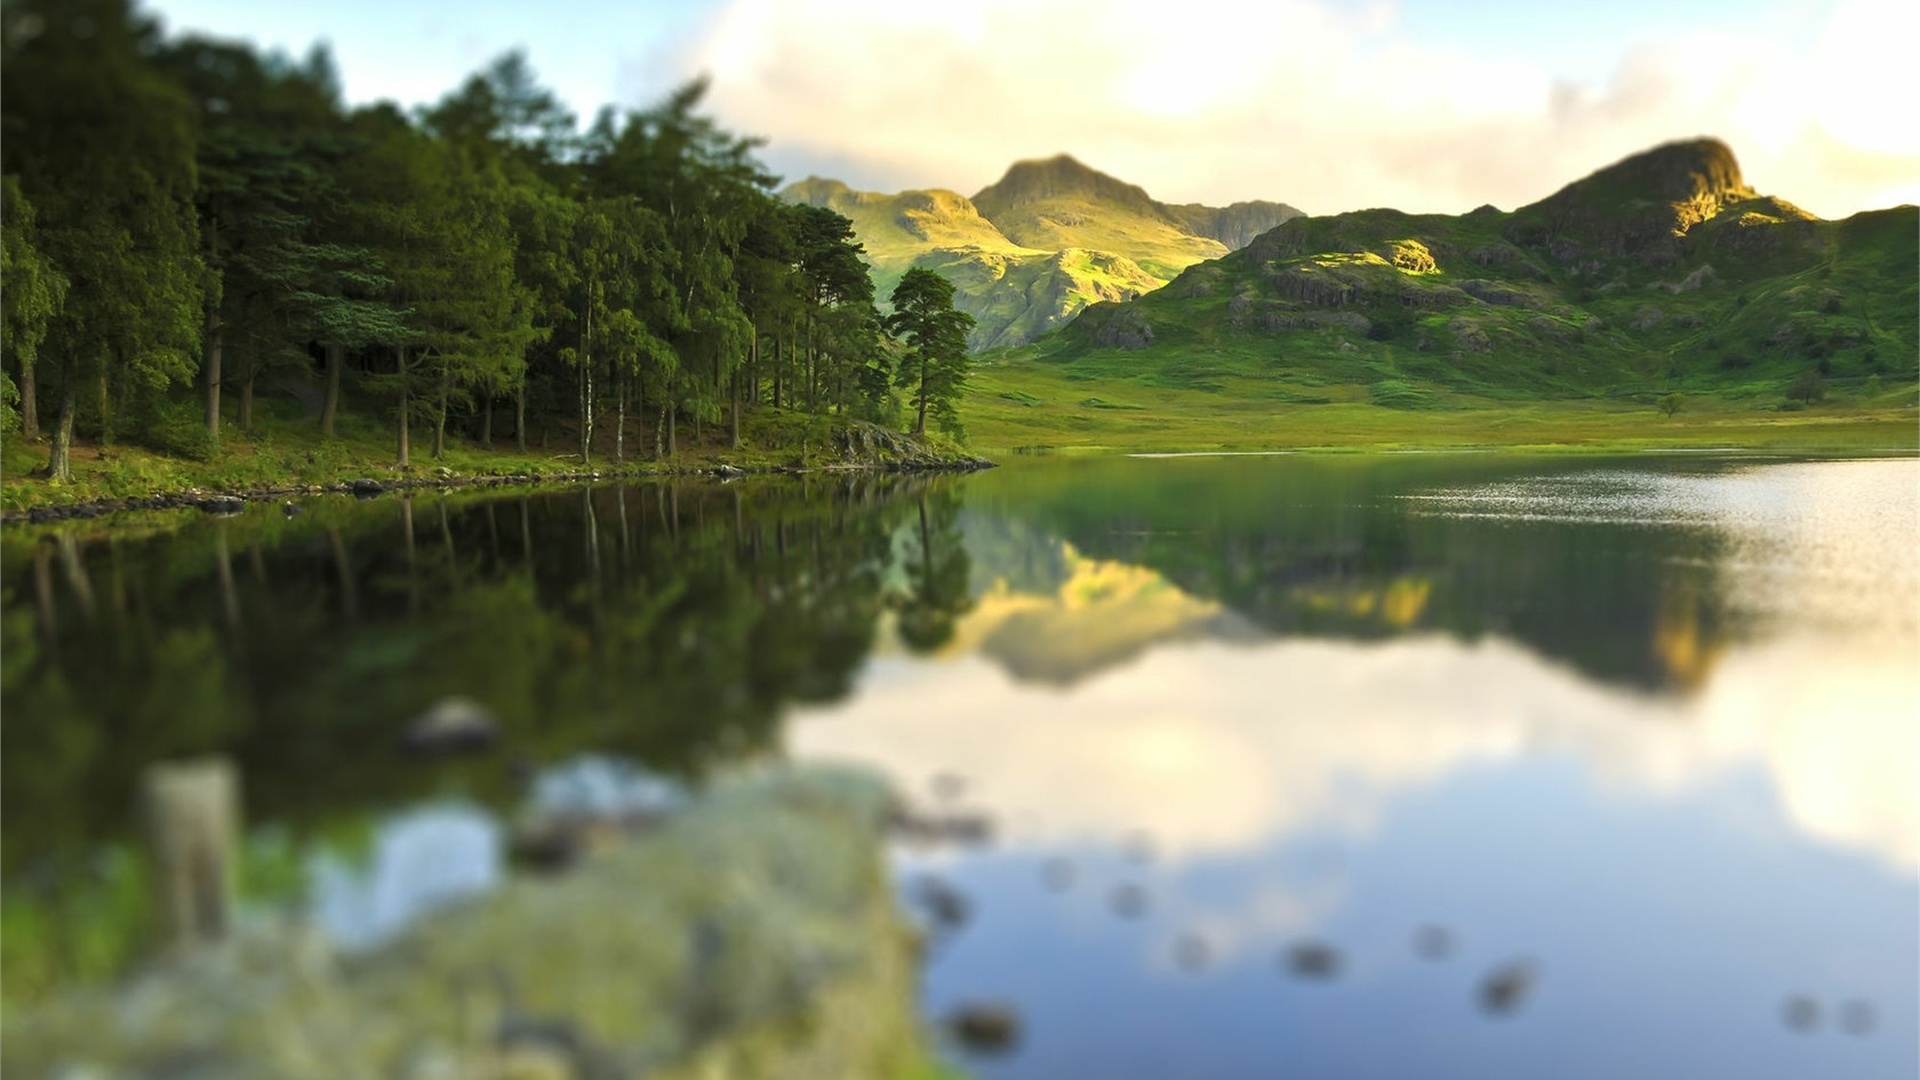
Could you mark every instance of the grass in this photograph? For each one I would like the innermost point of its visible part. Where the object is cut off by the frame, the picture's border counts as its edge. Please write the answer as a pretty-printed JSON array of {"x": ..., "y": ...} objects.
[
  {"x": 1024, "y": 407},
  {"x": 287, "y": 450}
]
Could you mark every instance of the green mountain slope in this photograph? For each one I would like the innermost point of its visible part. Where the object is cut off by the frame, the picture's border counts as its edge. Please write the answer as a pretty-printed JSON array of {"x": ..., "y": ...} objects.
[
  {"x": 1058, "y": 236},
  {"x": 1662, "y": 273}
]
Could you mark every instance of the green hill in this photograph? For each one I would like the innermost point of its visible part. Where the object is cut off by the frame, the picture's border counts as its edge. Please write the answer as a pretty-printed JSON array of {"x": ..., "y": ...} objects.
[
  {"x": 1046, "y": 240},
  {"x": 1661, "y": 273}
]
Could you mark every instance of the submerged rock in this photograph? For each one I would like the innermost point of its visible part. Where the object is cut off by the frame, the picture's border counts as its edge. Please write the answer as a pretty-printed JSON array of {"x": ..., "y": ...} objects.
[
  {"x": 985, "y": 1027},
  {"x": 1057, "y": 874},
  {"x": 946, "y": 907},
  {"x": 1312, "y": 960},
  {"x": 1433, "y": 942},
  {"x": 1129, "y": 901},
  {"x": 1508, "y": 986},
  {"x": 1192, "y": 952}
]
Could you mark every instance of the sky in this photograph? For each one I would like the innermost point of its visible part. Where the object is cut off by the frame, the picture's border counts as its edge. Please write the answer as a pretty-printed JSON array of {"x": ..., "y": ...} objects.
[{"x": 1423, "y": 105}]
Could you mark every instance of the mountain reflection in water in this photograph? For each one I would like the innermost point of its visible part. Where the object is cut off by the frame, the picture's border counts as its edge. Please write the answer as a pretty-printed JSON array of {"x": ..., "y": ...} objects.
[{"x": 1647, "y": 726}]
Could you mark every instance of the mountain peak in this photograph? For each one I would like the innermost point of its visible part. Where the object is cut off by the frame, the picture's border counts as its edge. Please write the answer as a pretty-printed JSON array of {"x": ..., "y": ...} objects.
[
  {"x": 1640, "y": 204},
  {"x": 1673, "y": 172},
  {"x": 1060, "y": 176}
]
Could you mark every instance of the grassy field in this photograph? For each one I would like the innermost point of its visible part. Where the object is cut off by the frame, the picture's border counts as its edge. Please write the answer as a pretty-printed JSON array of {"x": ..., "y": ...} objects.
[{"x": 1023, "y": 407}]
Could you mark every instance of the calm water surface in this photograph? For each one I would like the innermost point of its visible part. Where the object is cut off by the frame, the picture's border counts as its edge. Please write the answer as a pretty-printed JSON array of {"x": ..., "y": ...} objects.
[{"x": 1641, "y": 728}]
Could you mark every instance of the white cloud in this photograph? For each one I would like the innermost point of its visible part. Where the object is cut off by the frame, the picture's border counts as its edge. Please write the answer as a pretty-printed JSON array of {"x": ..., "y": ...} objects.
[
  {"x": 1324, "y": 107},
  {"x": 1190, "y": 744}
]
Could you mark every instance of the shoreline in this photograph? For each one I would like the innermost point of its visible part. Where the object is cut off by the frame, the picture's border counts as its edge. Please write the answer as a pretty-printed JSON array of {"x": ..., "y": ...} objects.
[{"x": 226, "y": 502}]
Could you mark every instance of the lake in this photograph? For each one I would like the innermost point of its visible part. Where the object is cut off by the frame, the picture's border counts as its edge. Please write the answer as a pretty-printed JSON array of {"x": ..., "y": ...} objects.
[{"x": 1328, "y": 765}]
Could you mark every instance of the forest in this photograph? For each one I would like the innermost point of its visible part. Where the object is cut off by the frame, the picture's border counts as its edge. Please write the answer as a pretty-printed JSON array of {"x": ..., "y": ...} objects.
[{"x": 193, "y": 226}]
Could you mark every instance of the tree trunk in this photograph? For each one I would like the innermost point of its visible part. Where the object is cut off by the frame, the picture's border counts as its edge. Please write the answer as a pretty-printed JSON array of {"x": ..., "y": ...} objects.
[
  {"x": 405, "y": 407},
  {"x": 336, "y": 359},
  {"x": 620, "y": 424},
  {"x": 778, "y": 356},
  {"x": 210, "y": 367},
  {"x": 486, "y": 421},
  {"x": 58, "y": 465},
  {"x": 29, "y": 402},
  {"x": 734, "y": 440},
  {"x": 673, "y": 424},
  {"x": 920, "y": 425},
  {"x": 246, "y": 398},
  {"x": 440, "y": 416},
  {"x": 520, "y": 417},
  {"x": 586, "y": 412},
  {"x": 586, "y": 383},
  {"x": 106, "y": 411},
  {"x": 659, "y": 431}
]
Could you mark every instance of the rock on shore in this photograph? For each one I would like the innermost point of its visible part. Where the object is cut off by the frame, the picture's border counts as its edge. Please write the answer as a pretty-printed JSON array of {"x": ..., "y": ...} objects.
[{"x": 753, "y": 934}]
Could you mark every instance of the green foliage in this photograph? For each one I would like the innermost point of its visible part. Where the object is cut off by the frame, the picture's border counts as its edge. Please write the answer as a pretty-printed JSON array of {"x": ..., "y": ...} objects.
[
  {"x": 181, "y": 210},
  {"x": 1807, "y": 388},
  {"x": 935, "y": 365},
  {"x": 34, "y": 293}
]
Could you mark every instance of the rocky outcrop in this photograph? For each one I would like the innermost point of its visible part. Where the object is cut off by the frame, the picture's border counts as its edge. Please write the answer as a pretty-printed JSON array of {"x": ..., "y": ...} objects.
[
  {"x": 753, "y": 935},
  {"x": 1235, "y": 225},
  {"x": 1117, "y": 326},
  {"x": 1640, "y": 206}
]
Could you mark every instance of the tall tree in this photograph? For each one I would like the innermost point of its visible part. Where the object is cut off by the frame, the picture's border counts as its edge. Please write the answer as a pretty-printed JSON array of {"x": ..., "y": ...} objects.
[
  {"x": 935, "y": 364},
  {"x": 104, "y": 148},
  {"x": 32, "y": 296}
]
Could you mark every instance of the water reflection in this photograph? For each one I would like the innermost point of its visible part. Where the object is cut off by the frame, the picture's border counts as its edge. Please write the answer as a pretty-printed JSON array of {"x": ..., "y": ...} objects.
[
  {"x": 1641, "y": 731},
  {"x": 422, "y": 860},
  {"x": 1602, "y": 859}
]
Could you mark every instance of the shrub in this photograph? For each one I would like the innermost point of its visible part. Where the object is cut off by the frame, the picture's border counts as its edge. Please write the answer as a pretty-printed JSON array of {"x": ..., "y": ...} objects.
[
  {"x": 178, "y": 430},
  {"x": 1807, "y": 388}
]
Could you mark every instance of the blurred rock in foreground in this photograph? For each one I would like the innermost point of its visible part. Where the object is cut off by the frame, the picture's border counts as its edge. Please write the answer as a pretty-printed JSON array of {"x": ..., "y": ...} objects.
[{"x": 753, "y": 934}]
